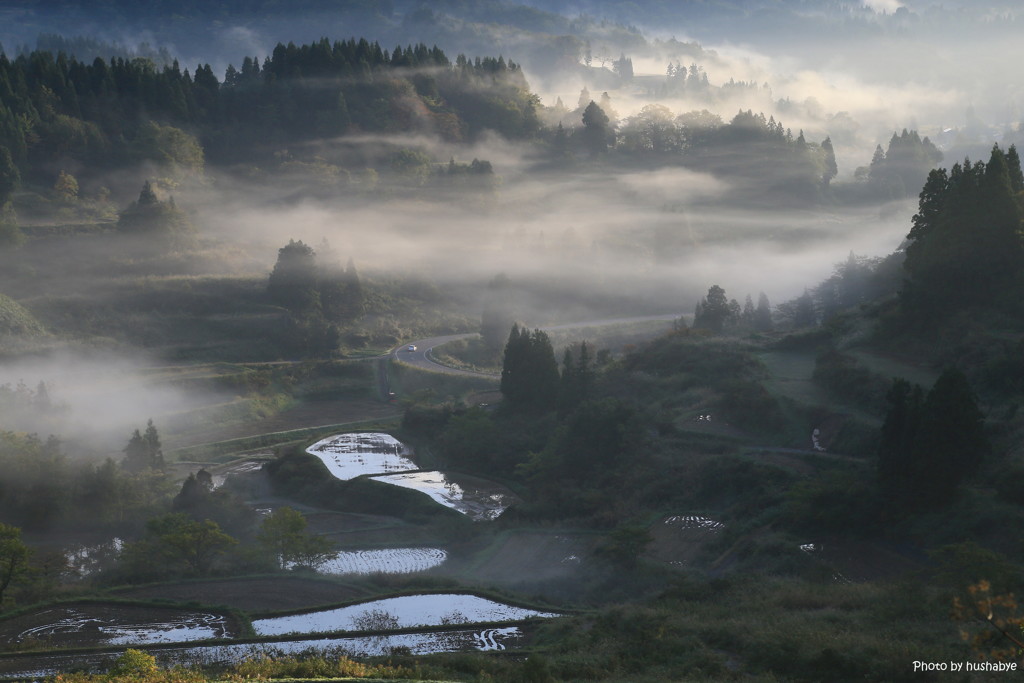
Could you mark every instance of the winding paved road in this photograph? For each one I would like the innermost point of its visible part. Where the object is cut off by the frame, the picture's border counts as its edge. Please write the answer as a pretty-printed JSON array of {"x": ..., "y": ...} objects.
[{"x": 422, "y": 358}]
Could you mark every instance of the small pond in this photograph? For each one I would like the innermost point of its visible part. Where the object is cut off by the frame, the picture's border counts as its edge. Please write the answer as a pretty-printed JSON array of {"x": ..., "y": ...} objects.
[
  {"x": 479, "y": 499},
  {"x": 407, "y": 611},
  {"x": 348, "y": 456},
  {"x": 384, "y": 561}
]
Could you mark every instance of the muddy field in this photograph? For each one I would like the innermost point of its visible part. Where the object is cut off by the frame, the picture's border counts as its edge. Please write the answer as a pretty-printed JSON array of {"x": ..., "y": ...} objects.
[
  {"x": 97, "y": 625},
  {"x": 251, "y": 595}
]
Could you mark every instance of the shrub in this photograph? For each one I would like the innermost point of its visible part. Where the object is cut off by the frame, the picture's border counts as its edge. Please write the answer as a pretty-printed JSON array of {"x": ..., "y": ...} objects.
[{"x": 135, "y": 664}]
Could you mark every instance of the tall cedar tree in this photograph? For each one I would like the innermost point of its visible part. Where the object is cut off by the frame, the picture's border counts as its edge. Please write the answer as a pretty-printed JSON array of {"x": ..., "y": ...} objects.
[
  {"x": 144, "y": 450},
  {"x": 577, "y": 377},
  {"x": 529, "y": 373},
  {"x": 713, "y": 311},
  {"x": 966, "y": 242},
  {"x": 930, "y": 445}
]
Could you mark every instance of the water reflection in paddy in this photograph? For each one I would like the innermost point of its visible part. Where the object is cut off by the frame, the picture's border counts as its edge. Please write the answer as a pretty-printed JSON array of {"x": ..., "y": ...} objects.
[
  {"x": 384, "y": 561},
  {"x": 365, "y": 646},
  {"x": 348, "y": 456},
  {"x": 406, "y": 611},
  {"x": 477, "y": 498},
  {"x": 101, "y": 625}
]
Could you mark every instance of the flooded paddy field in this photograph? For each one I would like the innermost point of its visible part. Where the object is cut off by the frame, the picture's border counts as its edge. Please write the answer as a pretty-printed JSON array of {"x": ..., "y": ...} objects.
[
  {"x": 384, "y": 458},
  {"x": 456, "y": 640},
  {"x": 384, "y": 561},
  {"x": 351, "y": 455},
  {"x": 479, "y": 499},
  {"x": 99, "y": 625},
  {"x": 407, "y": 611}
]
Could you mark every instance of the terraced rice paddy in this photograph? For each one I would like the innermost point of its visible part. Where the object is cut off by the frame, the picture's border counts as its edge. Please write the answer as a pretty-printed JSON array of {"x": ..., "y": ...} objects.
[
  {"x": 407, "y": 611},
  {"x": 460, "y": 640},
  {"x": 384, "y": 561},
  {"x": 477, "y": 498},
  {"x": 102, "y": 625},
  {"x": 351, "y": 455}
]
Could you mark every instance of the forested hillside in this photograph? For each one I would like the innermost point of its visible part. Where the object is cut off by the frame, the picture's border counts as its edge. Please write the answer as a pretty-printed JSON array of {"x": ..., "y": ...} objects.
[{"x": 58, "y": 110}]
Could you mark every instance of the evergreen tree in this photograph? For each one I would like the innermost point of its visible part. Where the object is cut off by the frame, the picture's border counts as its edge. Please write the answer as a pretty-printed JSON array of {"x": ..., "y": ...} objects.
[
  {"x": 747, "y": 316},
  {"x": 930, "y": 445},
  {"x": 1014, "y": 169},
  {"x": 529, "y": 373},
  {"x": 763, "y": 314},
  {"x": 10, "y": 178},
  {"x": 596, "y": 129},
  {"x": 143, "y": 450},
  {"x": 713, "y": 311},
  {"x": 577, "y": 378},
  {"x": 966, "y": 243},
  {"x": 161, "y": 219},
  {"x": 831, "y": 168},
  {"x": 803, "y": 311},
  {"x": 951, "y": 443},
  {"x": 896, "y": 471},
  {"x": 354, "y": 296}
]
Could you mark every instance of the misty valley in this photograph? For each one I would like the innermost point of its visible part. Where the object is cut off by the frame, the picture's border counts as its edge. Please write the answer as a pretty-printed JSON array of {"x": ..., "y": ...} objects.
[{"x": 510, "y": 341}]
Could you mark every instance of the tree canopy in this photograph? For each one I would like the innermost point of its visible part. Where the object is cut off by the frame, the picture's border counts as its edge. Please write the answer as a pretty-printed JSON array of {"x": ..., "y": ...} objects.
[
  {"x": 965, "y": 240},
  {"x": 529, "y": 373},
  {"x": 930, "y": 443}
]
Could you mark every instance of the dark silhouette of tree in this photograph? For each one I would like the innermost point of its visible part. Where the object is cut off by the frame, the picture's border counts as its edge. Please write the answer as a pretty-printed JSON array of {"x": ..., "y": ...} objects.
[
  {"x": 930, "y": 445},
  {"x": 763, "y": 314},
  {"x": 803, "y": 311},
  {"x": 906, "y": 161},
  {"x": 10, "y": 178},
  {"x": 831, "y": 168},
  {"x": 293, "y": 282},
  {"x": 175, "y": 541},
  {"x": 529, "y": 373},
  {"x": 951, "y": 441},
  {"x": 144, "y": 450},
  {"x": 965, "y": 240},
  {"x": 1014, "y": 169},
  {"x": 283, "y": 533},
  {"x": 577, "y": 379},
  {"x": 595, "y": 443},
  {"x": 896, "y": 471},
  {"x": 13, "y": 558},
  {"x": 596, "y": 129},
  {"x": 155, "y": 218},
  {"x": 713, "y": 311}
]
